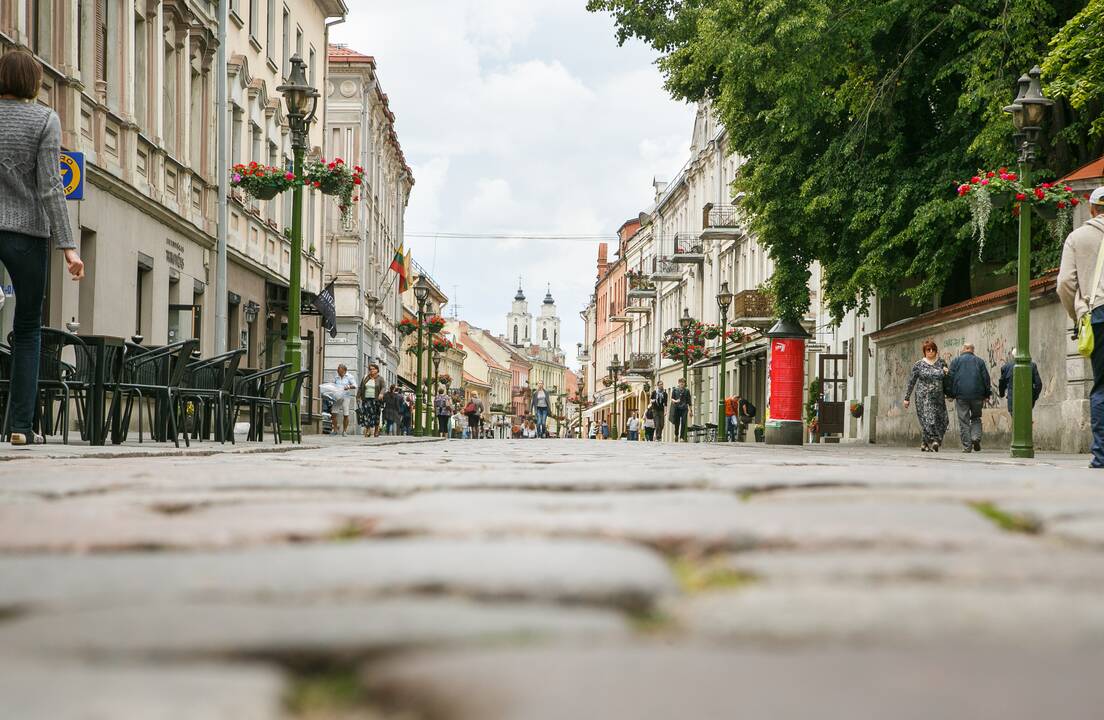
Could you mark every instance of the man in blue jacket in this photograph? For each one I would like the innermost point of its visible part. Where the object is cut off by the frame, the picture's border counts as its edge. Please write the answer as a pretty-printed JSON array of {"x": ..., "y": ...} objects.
[
  {"x": 1004, "y": 387},
  {"x": 972, "y": 386}
]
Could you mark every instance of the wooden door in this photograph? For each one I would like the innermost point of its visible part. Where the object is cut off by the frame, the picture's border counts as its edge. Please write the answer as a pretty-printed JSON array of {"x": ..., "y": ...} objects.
[{"x": 832, "y": 404}]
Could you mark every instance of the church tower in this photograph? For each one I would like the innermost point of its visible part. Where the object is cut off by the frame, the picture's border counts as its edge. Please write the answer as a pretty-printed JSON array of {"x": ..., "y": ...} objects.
[
  {"x": 548, "y": 324},
  {"x": 519, "y": 322}
]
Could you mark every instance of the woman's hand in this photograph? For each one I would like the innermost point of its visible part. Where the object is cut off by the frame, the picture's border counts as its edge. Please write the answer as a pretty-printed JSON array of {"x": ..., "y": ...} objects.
[
  {"x": 906, "y": 404},
  {"x": 76, "y": 265},
  {"x": 946, "y": 370}
]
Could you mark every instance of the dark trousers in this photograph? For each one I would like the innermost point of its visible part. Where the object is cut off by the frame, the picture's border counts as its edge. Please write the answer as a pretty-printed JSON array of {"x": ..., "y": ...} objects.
[
  {"x": 649, "y": 434},
  {"x": 678, "y": 421},
  {"x": 1096, "y": 396},
  {"x": 443, "y": 424},
  {"x": 26, "y": 260},
  {"x": 969, "y": 421}
]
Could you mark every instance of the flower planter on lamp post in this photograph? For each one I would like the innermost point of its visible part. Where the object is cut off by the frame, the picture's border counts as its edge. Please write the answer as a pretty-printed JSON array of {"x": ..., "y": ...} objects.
[
  {"x": 615, "y": 369},
  {"x": 421, "y": 294}
]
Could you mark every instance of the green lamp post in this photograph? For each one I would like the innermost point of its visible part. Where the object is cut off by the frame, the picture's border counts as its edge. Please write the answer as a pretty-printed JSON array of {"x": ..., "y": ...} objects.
[
  {"x": 724, "y": 300},
  {"x": 615, "y": 369},
  {"x": 579, "y": 400},
  {"x": 421, "y": 294},
  {"x": 302, "y": 103},
  {"x": 1029, "y": 114},
  {"x": 685, "y": 322}
]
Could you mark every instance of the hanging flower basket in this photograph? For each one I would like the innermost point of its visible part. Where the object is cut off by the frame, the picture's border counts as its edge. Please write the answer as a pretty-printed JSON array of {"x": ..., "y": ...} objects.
[
  {"x": 435, "y": 324},
  {"x": 856, "y": 410},
  {"x": 262, "y": 182},
  {"x": 624, "y": 387},
  {"x": 1055, "y": 202},
  {"x": 686, "y": 346},
  {"x": 442, "y": 344},
  {"x": 337, "y": 179},
  {"x": 407, "y": 327},
  {"x": 999, "y": 189}
]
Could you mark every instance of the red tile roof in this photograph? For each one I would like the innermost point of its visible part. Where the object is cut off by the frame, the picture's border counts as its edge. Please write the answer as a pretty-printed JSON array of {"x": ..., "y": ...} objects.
[
  {"x": 342, "y": 53},
  {"x": 1089, "y": 171}
]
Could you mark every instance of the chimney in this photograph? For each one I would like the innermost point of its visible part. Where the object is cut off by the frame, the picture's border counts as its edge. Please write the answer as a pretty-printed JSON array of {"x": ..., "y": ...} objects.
[{"x": 603, "y": 249}]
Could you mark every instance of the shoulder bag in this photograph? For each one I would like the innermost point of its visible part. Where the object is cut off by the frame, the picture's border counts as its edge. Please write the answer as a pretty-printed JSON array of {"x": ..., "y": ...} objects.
[
  {"x": 1085, "y": 341},
  {"x": 948, "y": 380}
]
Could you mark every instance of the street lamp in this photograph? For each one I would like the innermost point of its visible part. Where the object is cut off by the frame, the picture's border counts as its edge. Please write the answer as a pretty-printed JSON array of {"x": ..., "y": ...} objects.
[
  {"x": 302, "y": 103},
  {"x": 1029, "y": 114},
  {"x": 579, "y": 399},
  {"x": 421, "y": 293},
  {"x": 615, "y": 369},
  {"x": 724, "y": 300}
]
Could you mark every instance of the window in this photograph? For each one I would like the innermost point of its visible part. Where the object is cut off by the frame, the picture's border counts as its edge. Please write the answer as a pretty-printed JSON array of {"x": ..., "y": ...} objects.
[
  {"x": 255, "y": 145},
  {"x": 169, "y": 108},
  {"x": 287, "y": 43},
  {"x": 141, "y": 72},
  {"x": 515, "y": 334},
  {"x": 310, "y": 67},
  {"x": 254, "y": 11},
  {"x": 40, "y": 17},
  {"x": 103, "y": 9},
  {"x": 236, "y": 136},
  {"x": 270, "y": 35},
  {"x": 143, "y": 289},
  {"x": 299, "y": 42}
]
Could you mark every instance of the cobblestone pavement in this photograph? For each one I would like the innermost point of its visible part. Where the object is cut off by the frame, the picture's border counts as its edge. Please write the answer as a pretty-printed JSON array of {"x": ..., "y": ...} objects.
[{"x": 523, "y": 580}]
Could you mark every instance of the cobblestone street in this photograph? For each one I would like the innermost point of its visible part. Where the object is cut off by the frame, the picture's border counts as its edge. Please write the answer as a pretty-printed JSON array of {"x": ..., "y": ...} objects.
[{"x": 516, "y": 580}]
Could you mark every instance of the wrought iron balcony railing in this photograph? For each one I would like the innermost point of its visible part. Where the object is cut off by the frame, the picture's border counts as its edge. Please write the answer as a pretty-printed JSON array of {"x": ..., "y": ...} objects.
[
  {"x": 642, "y": 362},
  {"x": 723, "y": 216},
  {"x": 688, "y": 248},
  {"x": 663, "y": 268}
]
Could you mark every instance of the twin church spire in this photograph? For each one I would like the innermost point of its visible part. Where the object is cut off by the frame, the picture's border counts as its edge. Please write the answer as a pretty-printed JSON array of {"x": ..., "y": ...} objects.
[{"x": 520, "y": 323}]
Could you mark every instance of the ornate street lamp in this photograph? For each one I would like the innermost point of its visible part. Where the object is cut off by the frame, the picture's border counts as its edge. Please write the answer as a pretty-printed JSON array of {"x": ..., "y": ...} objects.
[
  {"x": 421, "y": 294},
  {"x": 1029, "y": 114},
  {"x": 685, "y": 322},
  {"x": 302, "y": 103},
  {"x": 724, "y": 300},
  {"x": 615, "y": 369},
  {"x": 579, "y": 400}
]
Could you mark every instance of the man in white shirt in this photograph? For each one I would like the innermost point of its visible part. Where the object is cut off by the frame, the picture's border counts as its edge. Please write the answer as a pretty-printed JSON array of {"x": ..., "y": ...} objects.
[
  {"x": 634, "y": 427},
  {"x": 343, "y": 403}
]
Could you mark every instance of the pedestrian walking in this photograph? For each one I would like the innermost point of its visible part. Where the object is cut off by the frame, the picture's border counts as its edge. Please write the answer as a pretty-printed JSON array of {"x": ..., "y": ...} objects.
[
  {"x": 1004, "y": 385},
  {"x": 732, "y": 420},
  {"x": 32, "y": 215},
  {"x": 605, "y": 430},
  {"x": 474, "y": 412},
  {"x": 680, "y": 410},
  {"x": 649, "y": 425},
  {"x": 658, "y": 402},
  {"x": 1079, "y": 288},
  {"x": 971, "y": 387},
  {"x": 541, "y": 404},
  {"x": 370, "y": 392},
  {"x": 392, "y": 410},
  {"x": 633, "y": 426},
  {"x": 442, "y": 408},
  {"x": 926, "y": 382},
  {"x": 343, "y": 401}
]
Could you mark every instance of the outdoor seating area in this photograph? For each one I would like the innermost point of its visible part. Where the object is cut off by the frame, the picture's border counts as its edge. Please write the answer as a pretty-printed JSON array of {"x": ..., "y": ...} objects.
[{"x": 97, "y": 390}]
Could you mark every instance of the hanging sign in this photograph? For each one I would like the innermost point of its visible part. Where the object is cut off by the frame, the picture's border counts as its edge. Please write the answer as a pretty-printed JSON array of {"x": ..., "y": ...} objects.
[{"x": 72, "y": 174}]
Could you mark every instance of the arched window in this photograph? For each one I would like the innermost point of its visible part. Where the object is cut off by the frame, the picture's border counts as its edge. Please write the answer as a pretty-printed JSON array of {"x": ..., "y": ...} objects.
[
  {"x": 544, "y": 334},
  {"x": 515, "y": 335}
]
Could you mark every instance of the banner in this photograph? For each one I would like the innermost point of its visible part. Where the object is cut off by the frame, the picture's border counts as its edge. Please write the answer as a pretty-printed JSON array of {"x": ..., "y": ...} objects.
[{"x": 327, "y": 308}]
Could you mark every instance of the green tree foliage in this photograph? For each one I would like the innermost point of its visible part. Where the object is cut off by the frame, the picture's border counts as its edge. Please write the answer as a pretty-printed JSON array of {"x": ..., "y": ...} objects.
[{"x": 856, "y": 117}]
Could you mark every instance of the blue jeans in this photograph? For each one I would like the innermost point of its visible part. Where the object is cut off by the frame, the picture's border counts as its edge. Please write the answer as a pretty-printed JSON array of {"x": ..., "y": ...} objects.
[
  {"x": 1096, "y": 396},
  {"x": 542, "y": 418},
  {"x": 732, "y": 427},
  {"x": 26, "y": 260}
]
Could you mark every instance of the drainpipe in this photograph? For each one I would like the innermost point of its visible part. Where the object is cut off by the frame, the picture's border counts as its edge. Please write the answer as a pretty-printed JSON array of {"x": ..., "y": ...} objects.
[{"x": 222, "y": 166}]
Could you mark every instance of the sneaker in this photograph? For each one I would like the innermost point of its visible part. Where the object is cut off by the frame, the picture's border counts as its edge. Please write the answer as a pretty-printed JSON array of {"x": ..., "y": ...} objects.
[
  {"x": 977, "y": 445},
  {"x": 21, "y": 439},
  {"x": 967, "y": 450}
]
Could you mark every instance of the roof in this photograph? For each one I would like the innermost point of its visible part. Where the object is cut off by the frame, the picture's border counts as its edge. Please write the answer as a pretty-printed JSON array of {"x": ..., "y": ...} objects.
[
  {"x": 470, "y": 341},
  {"x": 1089, "y": 171},
  {"x": 345, "y": 54},
  {"x": 473, "y": 380}
]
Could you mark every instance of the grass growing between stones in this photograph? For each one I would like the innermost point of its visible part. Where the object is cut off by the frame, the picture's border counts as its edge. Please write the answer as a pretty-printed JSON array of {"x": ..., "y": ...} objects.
[
  {"x": 1007, "y": 521},
  {"x": 334, "y": 694},
  {"x": 698, "y": 575},
  {"x": 652, "y": 622}
]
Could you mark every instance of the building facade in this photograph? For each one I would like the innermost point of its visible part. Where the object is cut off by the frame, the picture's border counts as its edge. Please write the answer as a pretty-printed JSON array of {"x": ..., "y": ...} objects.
[{"x": 360, "y": 129}]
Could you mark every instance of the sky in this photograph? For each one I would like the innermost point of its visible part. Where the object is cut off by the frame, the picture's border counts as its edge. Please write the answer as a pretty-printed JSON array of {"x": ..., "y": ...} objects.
[{"x": 519, "y": 117}]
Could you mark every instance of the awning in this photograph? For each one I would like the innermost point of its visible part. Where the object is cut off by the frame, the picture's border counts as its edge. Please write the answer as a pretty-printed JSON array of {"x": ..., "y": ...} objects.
[
  {"x": 752, "y": 347},
  {"x": 403, "y": 382},
  {"x": 589, "y": 412}
]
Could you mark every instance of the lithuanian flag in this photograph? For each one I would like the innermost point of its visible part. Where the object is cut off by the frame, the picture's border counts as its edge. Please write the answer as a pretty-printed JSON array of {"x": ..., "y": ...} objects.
[{"x": 404, "y": 276}]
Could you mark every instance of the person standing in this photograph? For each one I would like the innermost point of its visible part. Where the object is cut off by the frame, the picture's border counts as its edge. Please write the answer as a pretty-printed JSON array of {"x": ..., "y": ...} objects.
[
  {"x": 605, "y": 430},
  {"x": 1004, "y": 385},
  {"x": 1080, "y": 290},
  {"x": 633, "y": 426},
  {"x": 343, "y": 403},
  {"x": 745, "y": 414},
  {"x": 370, "y": 392},
  {"x": 474, "y": 412},
  {"x": 926, "y": 380},
  {"x": 971, "y": 386},
  {"x": 680, "y": 409},
  {"x": 659, "y": 408},
  {"x": 732, "y": 424},
  {"x": 32, "y": 214},
  {"x": 442, "y": 408},
  {"x": 392, "y": 410},
  {"x": 541, "y": 404},
  {"x": 649, "y": 424}
]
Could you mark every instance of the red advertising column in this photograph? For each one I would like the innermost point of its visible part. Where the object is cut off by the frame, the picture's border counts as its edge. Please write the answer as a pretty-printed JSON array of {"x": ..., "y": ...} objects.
[{"x": 787, "y": 384}]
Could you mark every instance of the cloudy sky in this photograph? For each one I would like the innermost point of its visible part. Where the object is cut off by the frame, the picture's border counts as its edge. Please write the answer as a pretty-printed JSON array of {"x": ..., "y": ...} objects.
[{"x": 519, "y": 118}]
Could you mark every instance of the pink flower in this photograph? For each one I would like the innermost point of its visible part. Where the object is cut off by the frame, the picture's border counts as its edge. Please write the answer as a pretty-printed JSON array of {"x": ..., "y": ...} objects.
[
  {"x": 236, "y": 178},
  {"x": 984, "y": 182},
  {"x": 289, "y": 176}
]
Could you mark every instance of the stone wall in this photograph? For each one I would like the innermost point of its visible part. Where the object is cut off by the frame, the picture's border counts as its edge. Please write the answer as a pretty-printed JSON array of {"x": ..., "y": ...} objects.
[{"x": 1061, "y": 416}]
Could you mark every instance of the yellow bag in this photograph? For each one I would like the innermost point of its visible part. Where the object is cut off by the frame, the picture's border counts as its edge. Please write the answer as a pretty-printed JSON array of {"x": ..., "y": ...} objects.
[{"x": 1084, "y": 325}]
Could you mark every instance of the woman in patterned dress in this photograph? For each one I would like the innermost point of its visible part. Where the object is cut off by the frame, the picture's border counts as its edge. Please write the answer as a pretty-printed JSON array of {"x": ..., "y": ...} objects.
[
  {"x": 931, "y": 405},
  {"x": 371, "y": 394}
]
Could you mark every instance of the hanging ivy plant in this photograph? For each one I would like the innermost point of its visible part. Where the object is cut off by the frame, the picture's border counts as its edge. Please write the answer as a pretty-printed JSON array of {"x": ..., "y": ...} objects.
[{"x": 988, "y": 189}]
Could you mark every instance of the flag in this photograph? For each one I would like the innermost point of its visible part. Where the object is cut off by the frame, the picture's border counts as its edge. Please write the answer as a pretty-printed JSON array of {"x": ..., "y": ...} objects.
[
  {"x": 397, "y": 261},
  {"x": 324, "y": 304},
  {"x": 404, "y": 276}
]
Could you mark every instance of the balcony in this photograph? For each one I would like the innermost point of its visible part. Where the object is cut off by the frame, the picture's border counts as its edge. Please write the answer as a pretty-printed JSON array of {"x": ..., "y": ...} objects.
[
  {"x": 753, "y": 308},
  {"x": 639, "y": 305},
  {"x": 618, "y": 315},
  {"x": 641, "y": 363},
  {"x": 641, "y": 286},
  {"x": 722, "y": 217},
  {"x": 665, "y": 270},
  {"x": 583, "y": 356},
  {"x": 688, "y": 249}
]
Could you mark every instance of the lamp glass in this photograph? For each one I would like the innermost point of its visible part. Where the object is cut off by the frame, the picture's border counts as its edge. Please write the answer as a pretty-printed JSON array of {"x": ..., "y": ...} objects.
[
  {"x": 686, "y": 321},
  {"x": 724, "y": 297},
  {"x": 421, "y": 289},
  {"x": 1034, "y": 113}
]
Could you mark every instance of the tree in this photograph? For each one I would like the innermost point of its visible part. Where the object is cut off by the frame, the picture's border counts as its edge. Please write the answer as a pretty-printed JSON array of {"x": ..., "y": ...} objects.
[{"x": 856, "y": 118}]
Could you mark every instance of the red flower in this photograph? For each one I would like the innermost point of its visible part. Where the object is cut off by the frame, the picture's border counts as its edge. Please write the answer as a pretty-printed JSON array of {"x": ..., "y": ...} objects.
[
  {"x": 1021, "y": 196},
  {"x": 289, "y": 176},
  {"x": 338, "y": 161},
  {"x": 356, "y": 180},
  {"x": 963, "y": 189},
  {"x": 253, "y": 164},
  {"x": 1039, "y": 193},
  {"x": 1004, "y": 169},
  {"x": 1061, "y": 205},
  {"x": 975, "y": 180},
  {"x": 991, "y": 174},
  {"x": 1074, "y": 201},
  {"x": 1068, "y": 188},
  {"x": 1011, "y": 176},
  {"x": 331, "y": 166},
  {"x": 317, "y": 184},
  {"x": 1048, "y": 185}
]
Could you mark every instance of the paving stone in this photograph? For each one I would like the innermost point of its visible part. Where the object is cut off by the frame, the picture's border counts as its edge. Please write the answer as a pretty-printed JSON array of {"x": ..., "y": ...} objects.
[
  {"x": 707, "y": 683},
  {"x": 72, "y": 691},
  {"x": 1040, "y": 566},
  {"x": 539, "y": 570},
  {"x": 322, "y": 628},
  {"x": 901, "y": 614}
]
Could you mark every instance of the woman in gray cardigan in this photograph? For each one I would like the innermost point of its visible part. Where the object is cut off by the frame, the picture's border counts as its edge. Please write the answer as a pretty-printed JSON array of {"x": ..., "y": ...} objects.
[{"x": 32, "y": 212}]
